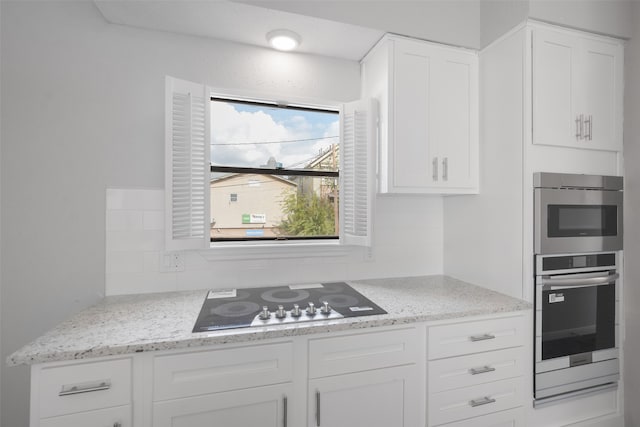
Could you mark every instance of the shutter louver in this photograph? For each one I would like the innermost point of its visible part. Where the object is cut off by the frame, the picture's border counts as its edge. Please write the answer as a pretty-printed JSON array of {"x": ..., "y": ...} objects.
[
  {"x": 359, "y": 131},
  {"x": 188, "y": 169}
]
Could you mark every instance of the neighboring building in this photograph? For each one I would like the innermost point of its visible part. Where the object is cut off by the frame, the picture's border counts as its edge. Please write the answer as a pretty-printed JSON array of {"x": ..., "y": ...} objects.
[{"x": 248, "y": 205}]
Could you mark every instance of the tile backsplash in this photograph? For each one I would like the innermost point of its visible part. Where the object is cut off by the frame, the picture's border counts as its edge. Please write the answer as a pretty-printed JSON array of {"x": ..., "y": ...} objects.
[
  {"x": 135, "y": 242},
  {"x": 408, "y": 241}
]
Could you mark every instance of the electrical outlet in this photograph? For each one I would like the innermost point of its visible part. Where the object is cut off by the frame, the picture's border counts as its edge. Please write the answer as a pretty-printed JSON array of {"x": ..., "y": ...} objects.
[{"x": 171, "y": 262}]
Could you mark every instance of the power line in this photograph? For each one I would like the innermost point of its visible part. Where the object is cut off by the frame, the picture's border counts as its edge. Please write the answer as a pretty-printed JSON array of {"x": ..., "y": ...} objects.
[{"x": 275, "y": 142}]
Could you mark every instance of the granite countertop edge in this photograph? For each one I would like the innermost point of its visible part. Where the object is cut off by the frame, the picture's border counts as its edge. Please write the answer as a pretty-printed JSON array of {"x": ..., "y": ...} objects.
[{"x": 408, "y": 300}]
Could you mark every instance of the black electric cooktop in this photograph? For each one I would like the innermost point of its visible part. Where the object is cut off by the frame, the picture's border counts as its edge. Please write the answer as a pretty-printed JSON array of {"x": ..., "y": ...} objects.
[{"x": 242, "y": 308}]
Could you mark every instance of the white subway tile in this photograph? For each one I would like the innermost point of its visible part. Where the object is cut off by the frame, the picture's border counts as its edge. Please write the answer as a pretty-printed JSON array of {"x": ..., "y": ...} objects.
[
  {"x": 121, "y": 220},
  {"x": 153, "y": 220},
  {"x": 145, "y": 240},
  {"x": 124, "y": 262},
  {"x": 153, "y": 199}
]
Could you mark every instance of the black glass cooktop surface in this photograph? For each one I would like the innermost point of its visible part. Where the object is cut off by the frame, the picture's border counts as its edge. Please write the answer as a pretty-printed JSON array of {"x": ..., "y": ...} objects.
[{"x": 241, "y": 308}]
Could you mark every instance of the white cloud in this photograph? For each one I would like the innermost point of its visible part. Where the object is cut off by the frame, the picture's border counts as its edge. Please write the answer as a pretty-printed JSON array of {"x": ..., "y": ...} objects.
[{"x": 243, "y": 129}]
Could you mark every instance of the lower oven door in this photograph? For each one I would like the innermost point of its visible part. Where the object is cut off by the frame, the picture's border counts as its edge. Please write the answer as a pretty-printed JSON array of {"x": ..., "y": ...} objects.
[
  {"x": 578, "y": 314},
  {"x": 575, "y": 332}
]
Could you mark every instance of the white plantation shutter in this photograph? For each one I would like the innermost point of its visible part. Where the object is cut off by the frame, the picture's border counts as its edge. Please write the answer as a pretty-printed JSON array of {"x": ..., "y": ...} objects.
[
  {"x": 359, "y": 133},
  {"x": 187, "y": 170}
]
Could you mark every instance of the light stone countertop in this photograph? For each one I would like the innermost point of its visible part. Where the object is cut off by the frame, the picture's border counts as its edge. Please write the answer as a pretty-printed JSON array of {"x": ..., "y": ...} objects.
[{"x": 163, "y": 321}]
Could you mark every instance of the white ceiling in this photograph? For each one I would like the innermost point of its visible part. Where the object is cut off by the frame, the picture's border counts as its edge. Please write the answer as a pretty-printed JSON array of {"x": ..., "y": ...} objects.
[{"x": 226, "y": 20}]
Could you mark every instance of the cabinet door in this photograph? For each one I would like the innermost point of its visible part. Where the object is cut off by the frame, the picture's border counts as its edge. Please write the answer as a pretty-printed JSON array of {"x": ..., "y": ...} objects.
[
  {"x": 455, "y": 120},
  {"x": 379, "y": 398},
  {"x": 411, "y": 152},
  {"x": 112, "y": 417},
  {"x": 260, "y": 406},
  {"x": 602, "y": 94},
  {"x": 555, "y": 90}
]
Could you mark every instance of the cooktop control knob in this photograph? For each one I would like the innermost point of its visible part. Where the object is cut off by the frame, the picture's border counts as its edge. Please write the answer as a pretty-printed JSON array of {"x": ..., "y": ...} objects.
[
  {"x": 280, "y": 313},
  {"x": 311, "y": 310},
  {"x": 264, "y": 314},
  {"x": 296, "y": 312},
  {"x": 325, "y": 309}
]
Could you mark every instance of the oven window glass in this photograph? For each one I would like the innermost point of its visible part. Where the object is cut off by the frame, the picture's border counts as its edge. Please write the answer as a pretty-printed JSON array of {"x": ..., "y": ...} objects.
[
  {"x": 582, "y": 220},
  {"x": 578, "y": 320}
]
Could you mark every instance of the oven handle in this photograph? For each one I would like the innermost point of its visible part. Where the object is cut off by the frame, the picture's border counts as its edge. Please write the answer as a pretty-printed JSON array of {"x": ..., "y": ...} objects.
[{"x": 557, "y": 284}]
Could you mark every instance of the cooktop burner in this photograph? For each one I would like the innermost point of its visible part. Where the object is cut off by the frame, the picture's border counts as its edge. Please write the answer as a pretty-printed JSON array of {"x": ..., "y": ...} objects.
[{"x": 241, "y": 308}]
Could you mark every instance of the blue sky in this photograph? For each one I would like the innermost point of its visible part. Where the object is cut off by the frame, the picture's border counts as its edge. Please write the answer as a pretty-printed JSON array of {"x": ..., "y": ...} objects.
[{"x": 242, "y": 125}]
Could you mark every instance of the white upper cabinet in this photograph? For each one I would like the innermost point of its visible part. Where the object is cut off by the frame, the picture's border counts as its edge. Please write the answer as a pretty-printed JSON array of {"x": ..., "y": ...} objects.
[
  {"x": 429, "y": 116},
  {"x": 577, "y": 90}
]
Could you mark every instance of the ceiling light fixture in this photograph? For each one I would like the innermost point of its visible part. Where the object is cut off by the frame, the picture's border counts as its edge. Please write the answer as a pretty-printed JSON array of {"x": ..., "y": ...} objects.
[{"x": 283, "y": 39}]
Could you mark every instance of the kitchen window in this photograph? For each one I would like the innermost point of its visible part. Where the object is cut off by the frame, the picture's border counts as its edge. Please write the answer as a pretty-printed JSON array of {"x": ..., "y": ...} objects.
[
  {"x": 194, "y": 162},
  {"x": 281, "y": 162}
]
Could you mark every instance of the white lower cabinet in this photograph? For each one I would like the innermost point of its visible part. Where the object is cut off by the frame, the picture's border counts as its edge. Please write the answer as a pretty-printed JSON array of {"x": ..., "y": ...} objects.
[
  {"x": 375, "y": 377},
  {"x": 476, "y": 373},
  {"x": 261, "y": 406},
  {"x": 379, "y": 398},
  {"x": 82, "y": 393},
  {"x": 111, "y": 417}
]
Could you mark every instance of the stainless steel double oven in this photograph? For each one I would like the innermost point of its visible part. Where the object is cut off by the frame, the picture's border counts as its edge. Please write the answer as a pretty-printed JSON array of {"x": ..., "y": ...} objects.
[{"x": 578, "y": 233}]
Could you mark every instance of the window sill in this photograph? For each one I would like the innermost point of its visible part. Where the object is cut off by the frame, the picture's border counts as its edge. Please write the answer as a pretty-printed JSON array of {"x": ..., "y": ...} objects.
[{"x": 277, "y": 250}]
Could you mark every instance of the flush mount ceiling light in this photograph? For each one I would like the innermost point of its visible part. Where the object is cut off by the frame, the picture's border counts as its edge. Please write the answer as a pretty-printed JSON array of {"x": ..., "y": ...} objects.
[{"x": 283, "y": 39}]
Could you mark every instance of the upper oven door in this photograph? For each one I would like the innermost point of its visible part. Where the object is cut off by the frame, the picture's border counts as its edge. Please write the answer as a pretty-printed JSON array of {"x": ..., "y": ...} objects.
[{"x": 575, "y": 220}]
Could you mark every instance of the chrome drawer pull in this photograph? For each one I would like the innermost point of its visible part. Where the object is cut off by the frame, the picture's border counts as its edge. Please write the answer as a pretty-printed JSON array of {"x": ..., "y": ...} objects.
[
  {"x": 482, "y": 337},
  {"x": 85, "y": 387},
  {"x": 482, "y": 401},
  {"x": 483, "y": 370}
]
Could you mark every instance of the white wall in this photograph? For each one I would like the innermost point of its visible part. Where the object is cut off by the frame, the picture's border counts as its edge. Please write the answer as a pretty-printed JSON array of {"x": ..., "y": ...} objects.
[
  {"x": 83, "y": 112},
  {"x": 499, "y": 16},
  {"x": 631, "y": 224},
  {"x": 609, "y": 17}
]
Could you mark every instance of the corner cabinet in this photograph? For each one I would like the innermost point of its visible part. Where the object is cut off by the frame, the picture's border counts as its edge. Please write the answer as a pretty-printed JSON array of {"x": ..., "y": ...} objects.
[
  {"x": 577, "y": 89},
  {"x": 428, "y": 96}
]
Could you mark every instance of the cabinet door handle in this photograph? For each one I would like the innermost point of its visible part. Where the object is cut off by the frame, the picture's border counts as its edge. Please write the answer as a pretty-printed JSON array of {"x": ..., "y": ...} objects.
[
  {"x": 482, "y": 401},
  {"x": 284, "y": 410},
  {"x": 590, "y": 127},
  {"x": 482, "y": 337},
  {"x": 445, "y": 169},
  {"x": 68, "y": 390},
  {"x": 582, "y": 123},
  {"x": 434, "y": 163},
  {"x": 117, "y": 424},
  {"x": 317, "y": 408},
  {"x": 482, "y": 370},
  {"x": 578, "y": 127}
]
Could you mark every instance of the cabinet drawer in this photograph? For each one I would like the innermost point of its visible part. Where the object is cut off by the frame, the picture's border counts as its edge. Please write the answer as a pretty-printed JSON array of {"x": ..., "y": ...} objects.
[
  {"x": 191, "y": 374},
  {"x": 362, "y": 352},
  {"x": 510, "y": 418},
  {"x": 119, "y": 416},
  {"x": 482, "y": 399},
  {"x": 83, "y": 387},
  {"x": 473, "y": 337},
  {"x": 473, "y": 369}
]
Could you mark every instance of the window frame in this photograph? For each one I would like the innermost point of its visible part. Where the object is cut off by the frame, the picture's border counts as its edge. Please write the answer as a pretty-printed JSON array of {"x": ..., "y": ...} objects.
[{"x": 348, "y": 246}]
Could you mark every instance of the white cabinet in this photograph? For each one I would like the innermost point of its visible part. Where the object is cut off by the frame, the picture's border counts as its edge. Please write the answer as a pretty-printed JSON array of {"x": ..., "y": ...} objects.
[
  {"x": 577, "y": 90},
  {"x": 379, "y": 398},
  {"x": 82, "y": 393},
  {"x": 429, "y": 116},
  {"x": 476, "y": 370},
  {"x": 368, "y": 379},
  {"x": 266, "y": 406},
  {"x": 242, "y": 385}
]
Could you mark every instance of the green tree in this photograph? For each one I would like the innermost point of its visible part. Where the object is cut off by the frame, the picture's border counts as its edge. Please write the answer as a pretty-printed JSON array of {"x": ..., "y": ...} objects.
[{"x": 307, "y": 215}]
